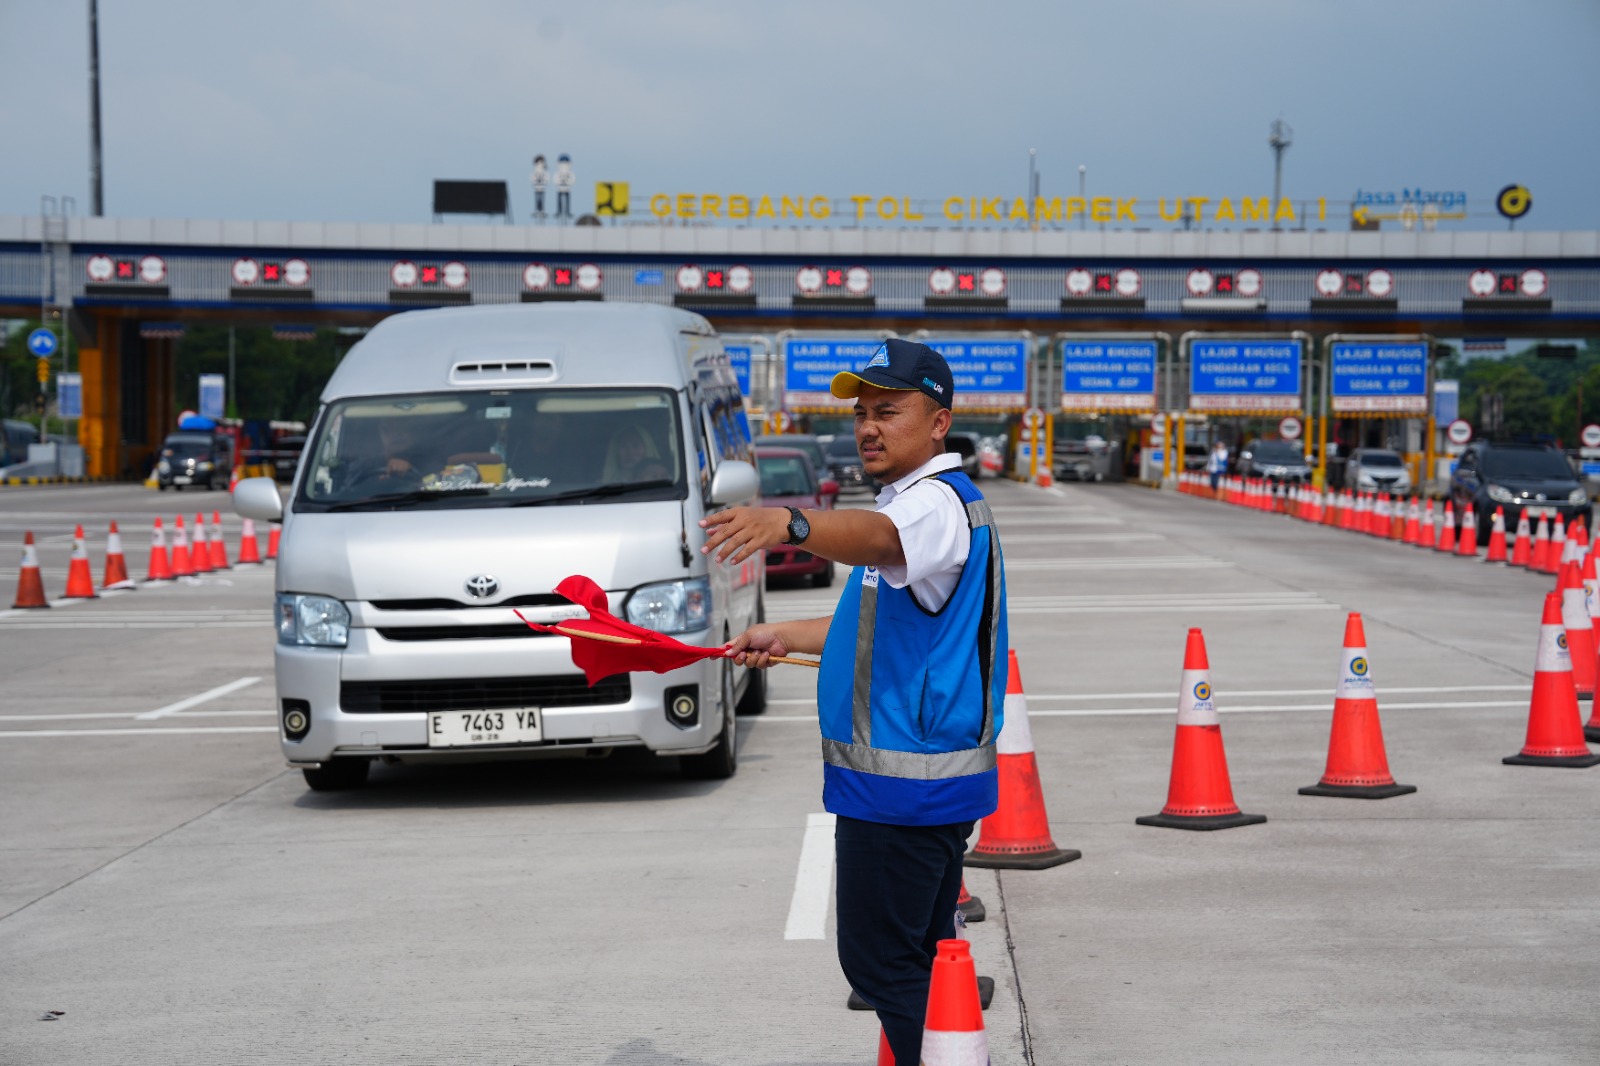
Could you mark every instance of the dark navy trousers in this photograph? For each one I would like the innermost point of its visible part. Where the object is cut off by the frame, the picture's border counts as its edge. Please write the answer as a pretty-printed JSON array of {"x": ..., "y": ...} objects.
[{"x": 897, "y": 887}]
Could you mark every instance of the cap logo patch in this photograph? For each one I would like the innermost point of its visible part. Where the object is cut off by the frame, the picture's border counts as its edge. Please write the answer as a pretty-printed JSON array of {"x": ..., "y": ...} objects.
[
  {"x": 934, "y": 385},
  {"x": 881, "y": 359}
]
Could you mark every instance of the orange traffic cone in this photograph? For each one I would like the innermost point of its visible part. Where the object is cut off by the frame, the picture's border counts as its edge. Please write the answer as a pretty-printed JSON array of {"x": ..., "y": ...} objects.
[
  {"x": 1017, "y": 835},
  {"x": 249, "y": 552},
  {"x": 160, "y": 563},
  {"x": 80, "y": 582},
  {"x": 219, "y": 546},
  {"x": 953, "y": 1034},
  {"x": 1541, "y": 545},
  {"x": 1413, "y": 530},
  {"x": 1591, "y": 597},
  {"x": 970, "y": 906},
  {"x": 1447, "y": 531},
  {"x": 1468, "y": 544},
  {"x": 1358, "y": 766},
  {"x": 1426, "y": 535},
  {"x": 1200, "y": 795},
  {"x": 181, "y": 566},
  {"x": 116, "y": 564},
  {"x": 30, "y": 583},
  {"x": 1572, "y": 550},
  {"x": 1580, "y": 630},
  {"x": 1522, "y": 547},
  {"x": 200, "y": 550},
  {"x": 885, "y": 1053},
  {"x": 1381, "y": 515},
  {"x": 1497, "y": 537},
  {"x": 233, "y": 479},
  {"x": 1332, "y": 507},
  {"x": 272, "y": 541},
  {"x": 1555, "y": 728},
  {"x": 1558, "y": 547}
]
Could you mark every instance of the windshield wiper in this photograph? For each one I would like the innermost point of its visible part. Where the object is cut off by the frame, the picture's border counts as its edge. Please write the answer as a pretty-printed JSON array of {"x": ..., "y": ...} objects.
[
  {"x": 414, "y": 496},
  {"x": 611, "y": 488}
]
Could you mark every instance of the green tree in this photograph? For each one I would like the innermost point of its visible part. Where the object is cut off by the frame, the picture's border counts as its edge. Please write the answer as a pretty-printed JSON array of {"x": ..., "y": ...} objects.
[{"x": 277, "y": 379}]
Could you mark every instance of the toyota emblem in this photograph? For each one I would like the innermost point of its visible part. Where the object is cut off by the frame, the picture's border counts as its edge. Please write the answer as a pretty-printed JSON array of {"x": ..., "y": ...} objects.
[{"x": 482, "y": 586}]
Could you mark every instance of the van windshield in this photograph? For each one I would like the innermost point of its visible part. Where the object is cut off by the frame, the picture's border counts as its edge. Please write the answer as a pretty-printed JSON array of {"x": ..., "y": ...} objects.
[{"x": 490, "y": 449}]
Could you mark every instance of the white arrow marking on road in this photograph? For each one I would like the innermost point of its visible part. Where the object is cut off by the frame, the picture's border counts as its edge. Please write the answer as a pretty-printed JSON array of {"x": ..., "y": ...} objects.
[
  {"x": 192, "y": 701},
  {"x": 808, "y": 909}
]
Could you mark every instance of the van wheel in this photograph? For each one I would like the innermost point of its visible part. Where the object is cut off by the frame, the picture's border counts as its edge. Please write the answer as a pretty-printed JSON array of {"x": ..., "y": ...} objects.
[
  {"x": 722, "y": 761},
  {"x": 336, "y": 775}
]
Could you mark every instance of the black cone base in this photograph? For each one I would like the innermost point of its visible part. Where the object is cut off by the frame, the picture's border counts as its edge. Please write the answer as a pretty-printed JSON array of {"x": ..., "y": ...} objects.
[
  {"x": 1575, "y": 761},
  {"x": 1591, "y": 733},
  {"x": 1040, "y": 861},
  {"x": 1365, "y": 792},
  {"x": 973, "y": 910},
  {"x": 1203, "y": 822},
  {"x": 985, "y": 996}
]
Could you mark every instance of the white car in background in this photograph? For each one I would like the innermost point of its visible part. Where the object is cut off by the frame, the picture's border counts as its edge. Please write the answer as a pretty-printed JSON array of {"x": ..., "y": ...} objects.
[{"x": 1377, "y": 470}]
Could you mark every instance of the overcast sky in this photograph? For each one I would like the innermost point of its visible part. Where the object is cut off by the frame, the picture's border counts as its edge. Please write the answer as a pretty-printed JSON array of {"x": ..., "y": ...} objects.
[{"x": 348, "y": 109}]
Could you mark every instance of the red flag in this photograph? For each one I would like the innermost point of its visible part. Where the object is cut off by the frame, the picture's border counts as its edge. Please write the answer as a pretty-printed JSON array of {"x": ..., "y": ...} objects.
[{"x": 624, "y": 647}]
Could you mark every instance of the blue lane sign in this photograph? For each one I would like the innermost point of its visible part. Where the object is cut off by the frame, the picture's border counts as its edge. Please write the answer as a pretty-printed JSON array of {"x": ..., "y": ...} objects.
[
  {"x": 211, "y": 395},
  {"x": 988, "y": 372},
  {"x": 1109, "y": 375},
  {"x": 649, "y": 277},
  {"x": 69, "y": 395},
  {"x": 809, "y": 364},
  {"x": 1253, "y": 374},
  {"x": 1379, "y": 376},
  {"x": 42, "y": 343},
  {"x": 739, "y": 356}
]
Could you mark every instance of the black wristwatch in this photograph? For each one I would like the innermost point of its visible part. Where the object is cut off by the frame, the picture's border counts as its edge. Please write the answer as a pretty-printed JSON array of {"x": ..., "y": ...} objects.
[{"x": 799, "y": 528}]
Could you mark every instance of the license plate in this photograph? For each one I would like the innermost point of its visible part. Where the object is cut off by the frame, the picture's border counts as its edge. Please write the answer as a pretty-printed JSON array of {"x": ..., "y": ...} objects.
[
  {"x": 463, "y": 729},
  {"x": 182, "y": 480}
]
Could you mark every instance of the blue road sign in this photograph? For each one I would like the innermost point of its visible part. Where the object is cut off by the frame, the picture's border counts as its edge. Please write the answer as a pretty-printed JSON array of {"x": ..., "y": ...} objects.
[
  {"x": 649, "y": 277},
  {"x": 42, "y": 343},
  {"x": 1253, "y": 374},
  {"x": 988, "y": 372},
  {"x": 69, "y": 395},
  {"x": 809, "y": 364},
  {"x": 211, "y": 395},
  {"x": 1371, "y": 376},
  {"x": 739, "y": 356},
  {"x": 1109, "y": 375}
]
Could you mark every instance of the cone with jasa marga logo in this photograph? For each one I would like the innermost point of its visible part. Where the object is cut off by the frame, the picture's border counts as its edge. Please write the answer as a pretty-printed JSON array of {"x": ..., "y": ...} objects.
[
  {"x": 1555, "y": 727},
  {"x": 1017, "y": 835},
  {"x": 1358, "y": 765},
  {"x": 1200, "y": 795}
]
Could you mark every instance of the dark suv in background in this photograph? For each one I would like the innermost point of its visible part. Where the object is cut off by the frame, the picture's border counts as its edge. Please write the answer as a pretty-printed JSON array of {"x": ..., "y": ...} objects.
[{"x": 1534, "y": 477}]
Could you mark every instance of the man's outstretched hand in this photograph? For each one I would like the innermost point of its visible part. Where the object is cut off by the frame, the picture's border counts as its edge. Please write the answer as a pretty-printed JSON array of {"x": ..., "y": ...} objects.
[{"x": 739, "y": 532}]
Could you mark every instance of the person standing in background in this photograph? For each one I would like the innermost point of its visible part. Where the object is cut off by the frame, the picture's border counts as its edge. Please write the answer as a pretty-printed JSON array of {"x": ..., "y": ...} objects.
[
  {"x": 540, "y": 178},
  {"x": 1217, "y": 464},
  {"x": 564, "y": 182}
]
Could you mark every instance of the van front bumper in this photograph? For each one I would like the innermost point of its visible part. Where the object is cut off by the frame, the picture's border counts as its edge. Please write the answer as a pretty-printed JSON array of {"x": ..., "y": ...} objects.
[{"x": 374, "y": 697}]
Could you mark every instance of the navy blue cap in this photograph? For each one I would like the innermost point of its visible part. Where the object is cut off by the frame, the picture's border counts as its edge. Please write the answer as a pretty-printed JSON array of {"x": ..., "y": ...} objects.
[{"x": 904, "y": 366}]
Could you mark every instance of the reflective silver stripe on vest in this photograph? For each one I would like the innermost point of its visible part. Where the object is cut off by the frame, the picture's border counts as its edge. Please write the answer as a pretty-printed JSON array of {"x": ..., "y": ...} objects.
[
  {"x": 918, "y": 766},
  {"x": 979, "y": 515},
  {"x": 861, "y": 701}
]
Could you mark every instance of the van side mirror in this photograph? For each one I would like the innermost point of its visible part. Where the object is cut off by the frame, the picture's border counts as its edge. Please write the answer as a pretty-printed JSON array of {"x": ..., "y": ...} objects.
[
  {"x": 257, "y": 499},
  {"x": 734, "y": 482}
]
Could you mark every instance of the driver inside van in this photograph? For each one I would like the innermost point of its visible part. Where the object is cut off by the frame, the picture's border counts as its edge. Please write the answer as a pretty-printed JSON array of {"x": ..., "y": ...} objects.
[
  {"x": 404, "y": 451},
  {"x": 632, "y": 456}
]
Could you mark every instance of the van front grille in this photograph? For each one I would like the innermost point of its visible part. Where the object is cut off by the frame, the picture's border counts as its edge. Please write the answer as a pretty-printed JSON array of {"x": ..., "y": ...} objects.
[
  {"x": 513, "y": 631},
  {"x": 547, "y": 599},
  {"x": 481, "y": 694}
]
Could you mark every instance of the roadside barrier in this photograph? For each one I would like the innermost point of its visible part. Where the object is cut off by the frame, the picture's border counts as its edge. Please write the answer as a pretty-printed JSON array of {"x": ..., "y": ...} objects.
[
  {"x": 219, "y": 547},
  {"x": 116, "y": 564},
  {"x": 160, "y": 568},
  {"x": 200, "y": 548},
  {"x": 1580, "y": 630},
  {"x": 1555, "y": 726},
  {"x": 953, "y": 1034},
  {"x": 1468, "y": 543},
  {"x": 1358, "y": 765},
  {"x": 249, "y": 551},
  {"x": 30, "y": 582},
  {"x": 1497, "y": 537},
  {"x": 181, "y": 564},
  {"x": 1447, "y": 532},
  {"x": 1017, "y": 835},
  {"x": 80, "y": 582},
  {"x": 1199, "y": 795}
]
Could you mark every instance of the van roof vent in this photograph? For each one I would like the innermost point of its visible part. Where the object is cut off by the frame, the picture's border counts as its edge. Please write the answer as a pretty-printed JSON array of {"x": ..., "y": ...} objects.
[{"x": 486, "y": 371}]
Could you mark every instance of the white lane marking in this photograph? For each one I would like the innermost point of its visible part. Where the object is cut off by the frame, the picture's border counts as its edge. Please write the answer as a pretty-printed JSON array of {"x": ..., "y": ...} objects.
[
  {"x": 136, "y": 732},
  {"x": 1073, "y": 538},
  {"x": 808, "y": 908},
  {"x": 4, "y": 719},
  {"x": 195, "y": 701},
  {"x": 1131, "y": 562}
]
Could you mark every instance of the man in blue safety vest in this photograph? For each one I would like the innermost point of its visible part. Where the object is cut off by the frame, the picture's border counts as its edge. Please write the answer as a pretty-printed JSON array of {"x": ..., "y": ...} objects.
[{"x": 912, "y": 681}]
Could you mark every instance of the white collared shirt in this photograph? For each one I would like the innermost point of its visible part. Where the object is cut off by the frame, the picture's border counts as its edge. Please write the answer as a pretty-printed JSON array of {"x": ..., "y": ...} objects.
[{"x": 934, "y": 535}]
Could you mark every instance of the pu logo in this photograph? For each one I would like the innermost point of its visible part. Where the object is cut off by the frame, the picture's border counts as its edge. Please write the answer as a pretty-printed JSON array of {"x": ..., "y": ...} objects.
[
  {"x": 1358, "y": 666},
  {"x": 1202, "y": 691},
  {"x": 880, "y": 359}
]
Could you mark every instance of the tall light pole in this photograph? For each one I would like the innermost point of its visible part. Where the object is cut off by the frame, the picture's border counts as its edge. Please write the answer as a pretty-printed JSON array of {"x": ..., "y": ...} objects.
[
  {"x": 1279, "y": 137},
  {"x": 1083, "y": 183},
  {"x": 96, "y": 198},
  {"x": 1033, "y": 185}
]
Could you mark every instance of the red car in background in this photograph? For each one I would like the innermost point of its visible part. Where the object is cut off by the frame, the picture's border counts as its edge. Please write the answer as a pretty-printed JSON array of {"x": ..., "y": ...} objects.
[{"x": 789, "y": 480}]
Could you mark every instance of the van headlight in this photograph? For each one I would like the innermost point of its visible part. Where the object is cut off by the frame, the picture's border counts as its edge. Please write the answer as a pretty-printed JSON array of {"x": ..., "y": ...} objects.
[
  {"x": 1578, "y": 496},
  {"x": 320, "y": 621},
  {"x": 672, "y": 606},
  {"x": 1501, "y": 494}
]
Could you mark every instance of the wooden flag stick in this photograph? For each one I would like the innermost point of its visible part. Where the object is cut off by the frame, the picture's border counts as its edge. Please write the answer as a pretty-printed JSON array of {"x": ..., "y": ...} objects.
[{"x": 610, "y": 639}]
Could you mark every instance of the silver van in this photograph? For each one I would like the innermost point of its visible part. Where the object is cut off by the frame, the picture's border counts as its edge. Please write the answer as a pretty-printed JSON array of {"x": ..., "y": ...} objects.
[{"x": 465, "y": 461}]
